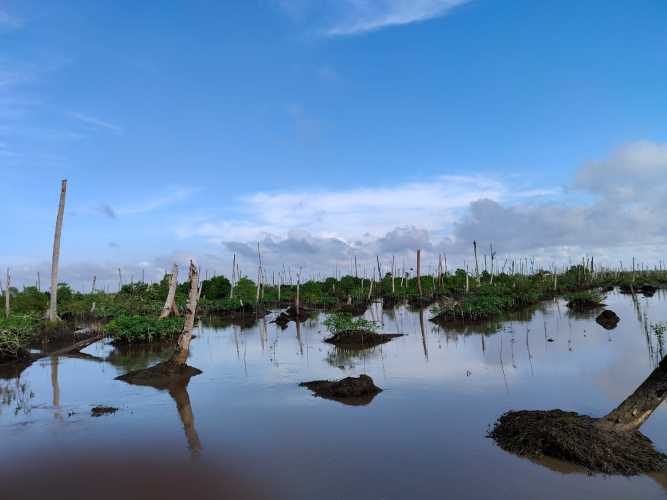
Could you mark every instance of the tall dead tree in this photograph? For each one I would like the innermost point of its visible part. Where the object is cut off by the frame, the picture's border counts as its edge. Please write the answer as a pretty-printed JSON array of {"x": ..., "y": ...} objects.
[
  {"x": 170, "y": 304},
  {"x": 419, "y": 283},
  {"x": 53, "y": 304},
  {"x": 184, "y": 339},
  {"x": 474, "y": 247},
  {"x": 8, "y": 284}
]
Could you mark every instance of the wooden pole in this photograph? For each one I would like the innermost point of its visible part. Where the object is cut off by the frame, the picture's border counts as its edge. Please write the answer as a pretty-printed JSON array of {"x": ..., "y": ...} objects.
[{"x": 53, "y": 304}]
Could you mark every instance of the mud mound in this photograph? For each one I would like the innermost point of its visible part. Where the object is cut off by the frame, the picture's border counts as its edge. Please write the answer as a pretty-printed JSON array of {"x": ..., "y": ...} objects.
[
  {"x": 577, "y": 439},
  {"x": 648, "y": 290},
  {"x": 356, "y": 309},
  {"x": 282, "y": 320},
  {"x": 98, "y": 411},
  {"x": 580, "y": 305},
  {"x": 360, "y": 338},
  {"x": 608, "y": 319},
  {"x": 350, "y": 390},
  {"x": 161, "y": 376}
]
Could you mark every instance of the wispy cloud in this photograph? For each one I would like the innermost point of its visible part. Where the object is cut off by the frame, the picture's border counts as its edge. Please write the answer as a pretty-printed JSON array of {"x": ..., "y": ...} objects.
[
  {"x": 352, "y": 17},
  {"x": 9, "y": 22},
  {"x": 95, "y": 122},
  {"x": 170, "y": 196}
]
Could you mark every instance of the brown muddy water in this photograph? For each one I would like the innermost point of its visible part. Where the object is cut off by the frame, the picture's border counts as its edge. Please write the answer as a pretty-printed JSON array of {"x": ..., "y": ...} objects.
[{"x": 245, "y": 429}]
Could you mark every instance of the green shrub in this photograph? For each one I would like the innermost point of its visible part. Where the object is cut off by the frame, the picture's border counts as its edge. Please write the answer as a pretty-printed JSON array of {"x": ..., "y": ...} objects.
[
  {"x": 143, "y": 329},
  {"x": 343, "y": 322},
  {"x": 16, "y": 332}
]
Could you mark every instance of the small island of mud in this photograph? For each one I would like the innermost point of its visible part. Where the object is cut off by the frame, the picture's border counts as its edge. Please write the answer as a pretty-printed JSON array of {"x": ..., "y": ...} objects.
[
  {"x": 350, "y": 390},
  {"x": 360, "y": 339}
]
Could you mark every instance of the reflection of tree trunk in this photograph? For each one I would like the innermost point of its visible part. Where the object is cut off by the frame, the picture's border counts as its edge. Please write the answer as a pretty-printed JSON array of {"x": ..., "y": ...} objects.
[
  {"x": 55, "y": 387},
  {"x": 170, "y": 304},
  {"x": 179, "y": 393},
  {"x": 421, "y": 327},
  {"x": 298, "y": 335},
  {"x": 639, "y": 406}
]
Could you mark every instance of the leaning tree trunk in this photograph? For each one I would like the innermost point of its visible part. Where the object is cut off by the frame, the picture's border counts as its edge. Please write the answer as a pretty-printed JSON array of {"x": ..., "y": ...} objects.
[
  {"x": 183, "y": 347},
  {"x": 170, "y": 304},
  {"x": 53, "y": 305},
  {"x": 641, "y": 404}
]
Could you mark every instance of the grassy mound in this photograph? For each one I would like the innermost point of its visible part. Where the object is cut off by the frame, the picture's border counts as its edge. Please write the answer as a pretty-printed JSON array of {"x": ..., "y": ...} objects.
[{"x": 577, "y": 439}]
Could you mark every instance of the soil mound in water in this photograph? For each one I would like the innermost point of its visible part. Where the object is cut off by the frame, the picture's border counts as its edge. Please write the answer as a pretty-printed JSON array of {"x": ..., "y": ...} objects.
[
  {"x": 350, "y": 390},
  {"x": 360, "y": 339},
  {"x": 580, "y": 305},
  {"x": 98, "y": 411},
  {"x": 577, "y": 439},
  {"x": 161, "y": 376},
  {"x": 608, "y": 319}
]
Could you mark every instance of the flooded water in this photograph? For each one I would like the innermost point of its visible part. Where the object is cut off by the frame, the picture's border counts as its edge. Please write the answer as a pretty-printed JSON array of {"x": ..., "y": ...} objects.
[{"x": 246, "y": 429}]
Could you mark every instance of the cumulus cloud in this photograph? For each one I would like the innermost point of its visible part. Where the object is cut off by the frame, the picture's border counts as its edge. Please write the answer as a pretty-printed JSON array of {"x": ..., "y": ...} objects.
[{"x": 629, "y": 188}]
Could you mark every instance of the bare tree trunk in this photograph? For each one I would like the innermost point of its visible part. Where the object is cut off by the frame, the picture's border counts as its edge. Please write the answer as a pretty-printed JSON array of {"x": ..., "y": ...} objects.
[
  {"x": 8, "y": 284},
  {"x": 419, "y": 282},
  {"x": 92, "y": 290},
  {"x": 297, "y": 302},
  {"x": 393, "y": 278},
  {"x": 53, "y": 305},
  {"x": 170, "y": 304},
  {"x": 641, "y": 404},
  {"x": 184, "y": 339},
  {"x": 474, "y": 247}
]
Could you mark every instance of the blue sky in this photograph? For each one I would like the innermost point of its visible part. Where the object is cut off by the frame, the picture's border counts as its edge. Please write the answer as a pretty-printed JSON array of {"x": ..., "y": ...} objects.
[{"x": 329, "y": 128}]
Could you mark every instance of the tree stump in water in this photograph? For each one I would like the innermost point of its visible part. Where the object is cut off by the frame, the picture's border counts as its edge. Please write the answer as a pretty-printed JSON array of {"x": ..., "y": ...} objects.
[{"x": 609, "y": 445}]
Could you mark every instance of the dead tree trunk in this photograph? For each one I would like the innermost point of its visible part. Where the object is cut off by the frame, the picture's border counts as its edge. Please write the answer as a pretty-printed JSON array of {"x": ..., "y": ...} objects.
[
  {"x": 8, "y": 284},
  {"x": 183, "y": 344},
  {"x": 419, "y": 282},
  {"x": 641, "y": 404},
  {"x": 170, "y": 304},
  {"x": 53, "y": 304}
]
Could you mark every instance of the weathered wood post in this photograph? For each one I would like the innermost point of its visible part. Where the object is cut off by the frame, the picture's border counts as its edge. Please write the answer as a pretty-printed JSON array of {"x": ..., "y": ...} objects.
[
  {"x": 53, "y": 304},
  {"x": 184, "y": 339},
  {"x": 170, "y": 304}
]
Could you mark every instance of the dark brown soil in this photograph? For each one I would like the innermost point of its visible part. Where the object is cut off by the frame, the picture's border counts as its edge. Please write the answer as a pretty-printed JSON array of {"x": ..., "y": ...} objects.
[
  {"x": 648, "y": 290},
  {"x": 354, "y": 309},
  {"x": 608, "y": 319},
  {"x": 419, "y": 302},
  {"x": 350, "y": 390},
  {"x": 575, "y": 438},
  {"x": 98, "y": 411},
  {"x": 302, "y": 313},
  {"x": 389, "y": 301},
  {"x": 580, "y": 305},
  {"x": 161, "y": 376},
  {"x": 282, "y": 320},
  {"x": 360, "y": 339}
]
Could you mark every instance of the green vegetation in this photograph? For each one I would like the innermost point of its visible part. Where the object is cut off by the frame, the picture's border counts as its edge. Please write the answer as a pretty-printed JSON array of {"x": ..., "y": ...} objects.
[
  {"x": 16, "y": 332},
  {"x": 342, "y": 322},
  {"x": 143, "y": 329}
]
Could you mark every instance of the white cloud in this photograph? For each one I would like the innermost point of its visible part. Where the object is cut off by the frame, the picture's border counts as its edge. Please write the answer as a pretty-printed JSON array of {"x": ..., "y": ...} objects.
[
  {"x": 363, "y": 16},
  {"x": 169, "y": 197},
  {"x": 96, "y": 122},
  {"x": 352, "y": 17},
  {"x": 351, "y": 214}
]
